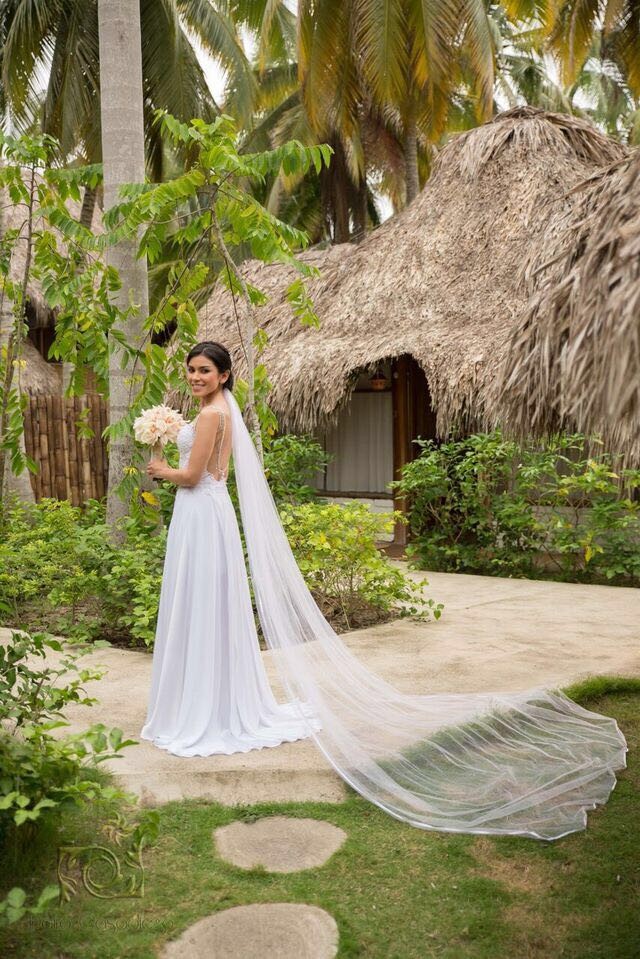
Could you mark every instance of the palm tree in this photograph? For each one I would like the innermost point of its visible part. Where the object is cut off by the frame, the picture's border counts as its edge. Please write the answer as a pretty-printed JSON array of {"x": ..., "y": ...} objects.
[
  {"x": 595, "y": 48},
  {"x": 610, "y": 102},
  {"x": 523, "y": 66},
  {"x": 61, "y": 38},
  {"x": 376, "y": 80},
  {"x": 617, "y": 22},
  {"x": 336, "y": 205},
  {"x": 122, "y": 124},
  {"x": 402, "y": 55}
]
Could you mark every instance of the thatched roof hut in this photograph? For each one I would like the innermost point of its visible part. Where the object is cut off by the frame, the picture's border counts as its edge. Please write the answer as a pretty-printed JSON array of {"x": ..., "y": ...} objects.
[
  {"x": 575, "y": 355},
  {"x": 440, "y": 281}
]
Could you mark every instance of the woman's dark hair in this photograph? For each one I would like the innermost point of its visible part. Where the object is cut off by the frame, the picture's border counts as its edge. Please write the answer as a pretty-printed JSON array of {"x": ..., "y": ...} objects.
[{"x": 218, "y": 354}]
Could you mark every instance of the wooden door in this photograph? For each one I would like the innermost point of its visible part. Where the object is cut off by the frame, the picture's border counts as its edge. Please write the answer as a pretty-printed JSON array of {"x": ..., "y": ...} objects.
[{"x": 413, "y": 416}]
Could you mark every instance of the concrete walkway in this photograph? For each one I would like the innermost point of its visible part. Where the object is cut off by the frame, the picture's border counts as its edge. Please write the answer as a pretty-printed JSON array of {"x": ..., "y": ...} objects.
[{"x": 494, "y": 635}]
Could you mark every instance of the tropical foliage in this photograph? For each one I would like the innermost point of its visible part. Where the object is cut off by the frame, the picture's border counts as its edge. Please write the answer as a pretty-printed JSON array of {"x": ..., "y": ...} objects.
[
  {"x": 206, "y": 213},
  {"x": 61, "y": 39},
  {"x": 386, "y": 81},
  {"x": 42, "y": 771},
  {"x": 46, "y": 244},
  {"x": 336, "y": 549},
  {"x": 488, "y": 505},
  {"x": 60, "y": 572}
]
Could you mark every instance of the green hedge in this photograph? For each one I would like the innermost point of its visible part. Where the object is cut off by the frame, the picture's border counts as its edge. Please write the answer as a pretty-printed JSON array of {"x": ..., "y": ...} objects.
[
  {"x": 488, "y": 505},
  {"x": 59, "y": 572}
]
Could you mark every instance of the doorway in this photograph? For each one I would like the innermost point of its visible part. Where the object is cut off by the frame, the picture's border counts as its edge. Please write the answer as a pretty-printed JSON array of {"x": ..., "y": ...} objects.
[{"x": 413, "y": 417}]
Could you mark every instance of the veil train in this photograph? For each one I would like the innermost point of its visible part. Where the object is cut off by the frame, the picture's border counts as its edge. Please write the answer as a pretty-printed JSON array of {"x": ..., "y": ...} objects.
[{"x": 529, "y": 763}]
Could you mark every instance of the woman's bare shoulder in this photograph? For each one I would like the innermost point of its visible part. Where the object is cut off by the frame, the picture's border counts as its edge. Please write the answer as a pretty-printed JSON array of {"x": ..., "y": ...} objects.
[
  {"x": 216, "y": 415},
  {"x": 214, "y": 410}
]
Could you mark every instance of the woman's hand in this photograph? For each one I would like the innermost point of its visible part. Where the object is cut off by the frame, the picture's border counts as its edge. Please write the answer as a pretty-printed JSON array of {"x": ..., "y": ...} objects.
[{"x": 157, "y": 468}]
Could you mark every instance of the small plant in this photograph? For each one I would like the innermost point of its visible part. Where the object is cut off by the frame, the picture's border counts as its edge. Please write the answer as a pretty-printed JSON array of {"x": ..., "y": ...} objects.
[
  {"x": 37, "y": 769},
  {"x": 335, "y": 548},
  {"x": 130, "y": 585}
]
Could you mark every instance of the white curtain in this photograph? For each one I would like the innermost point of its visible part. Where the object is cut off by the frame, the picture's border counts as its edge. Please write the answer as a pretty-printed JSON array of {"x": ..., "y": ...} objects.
[{"x": 362, "y": 445}]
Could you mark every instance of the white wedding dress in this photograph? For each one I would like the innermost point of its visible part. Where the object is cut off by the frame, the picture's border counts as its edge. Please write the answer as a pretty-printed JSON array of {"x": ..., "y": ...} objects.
[
  {"x": 527, "y": 763},
  {"x": 209, "y": 689}
]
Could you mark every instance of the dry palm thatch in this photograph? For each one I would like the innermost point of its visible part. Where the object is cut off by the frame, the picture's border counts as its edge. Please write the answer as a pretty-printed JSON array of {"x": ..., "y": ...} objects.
[
  {"x": 439, "y": 281},
  {"x": 575, "y": 355},
  {"x": 36, "y": 375}
]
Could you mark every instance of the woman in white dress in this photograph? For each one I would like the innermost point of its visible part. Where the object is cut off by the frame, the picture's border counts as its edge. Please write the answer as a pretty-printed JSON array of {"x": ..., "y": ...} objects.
[
  {"x": 528, "y": 763},
  {"x": 209, "y": 690}
]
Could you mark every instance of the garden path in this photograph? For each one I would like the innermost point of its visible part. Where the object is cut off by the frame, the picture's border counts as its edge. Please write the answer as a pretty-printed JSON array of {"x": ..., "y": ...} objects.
[{"x": 495, "y": 634}]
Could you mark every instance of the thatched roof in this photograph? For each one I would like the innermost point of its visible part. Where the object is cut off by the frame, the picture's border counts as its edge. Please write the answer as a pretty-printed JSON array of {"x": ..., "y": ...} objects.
[
  {"x": 440, "y": 281},
  {"x": 38, "y": 376},
  {"x": 575, "y": 357}
]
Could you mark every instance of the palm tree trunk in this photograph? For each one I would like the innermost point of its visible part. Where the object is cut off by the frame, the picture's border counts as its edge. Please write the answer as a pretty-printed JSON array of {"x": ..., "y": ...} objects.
[
  {"x": 412, "y": 181},
  {"x": 339, "y": 179},
  {"x": 121, "y": 111},
  {"x": 360, "y": 211},
  {"x": 88, "y": 206}
]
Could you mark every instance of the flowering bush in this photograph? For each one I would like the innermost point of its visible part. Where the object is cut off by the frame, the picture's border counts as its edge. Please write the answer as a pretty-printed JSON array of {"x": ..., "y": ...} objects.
[{"x": 352, "y": 581}]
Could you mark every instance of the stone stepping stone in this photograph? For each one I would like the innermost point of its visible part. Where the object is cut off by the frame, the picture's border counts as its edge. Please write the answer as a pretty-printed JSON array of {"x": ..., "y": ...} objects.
[
  {"x": 270, "y": 930},
  {"x": 279, "y": 843}
]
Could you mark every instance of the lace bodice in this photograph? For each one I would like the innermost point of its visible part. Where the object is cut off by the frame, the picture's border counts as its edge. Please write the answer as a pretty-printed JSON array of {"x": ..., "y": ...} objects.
[{"x": 220, "y": 455}]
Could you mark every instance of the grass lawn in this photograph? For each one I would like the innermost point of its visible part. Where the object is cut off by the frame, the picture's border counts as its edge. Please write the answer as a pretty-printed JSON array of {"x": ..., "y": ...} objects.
[{"x": 396, "y": 892}]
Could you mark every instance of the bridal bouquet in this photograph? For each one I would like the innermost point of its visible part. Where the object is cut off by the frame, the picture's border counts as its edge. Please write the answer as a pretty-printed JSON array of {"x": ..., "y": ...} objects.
[{"x": 158, "y": 426}]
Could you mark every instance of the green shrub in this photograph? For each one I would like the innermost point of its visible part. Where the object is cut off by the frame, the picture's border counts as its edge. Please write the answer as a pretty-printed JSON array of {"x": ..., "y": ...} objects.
[
  {"x": 130, "y": 585},
  {"x": 487, "y": 505},
  {"x": 291, "y": 462},
  {"x": 335, "y": 548},
  {"x": 37, "y": 769},
  {"x": 59, "y": 571},
  {"x": 40, "y": 772},
  {"x": 37, "y": 552}
]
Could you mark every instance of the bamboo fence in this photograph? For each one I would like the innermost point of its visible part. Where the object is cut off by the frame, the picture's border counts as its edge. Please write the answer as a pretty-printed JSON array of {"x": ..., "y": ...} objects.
[{"x": 70, "y": 466}]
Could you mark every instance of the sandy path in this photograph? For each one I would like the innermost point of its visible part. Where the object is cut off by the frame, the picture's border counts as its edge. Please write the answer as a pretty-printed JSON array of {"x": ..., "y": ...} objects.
[{"x": 495, "y": 634}]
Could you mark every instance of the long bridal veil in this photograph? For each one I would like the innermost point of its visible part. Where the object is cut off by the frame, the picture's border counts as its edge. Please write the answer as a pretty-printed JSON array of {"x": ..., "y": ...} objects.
[{"x": 528, "y": 763}]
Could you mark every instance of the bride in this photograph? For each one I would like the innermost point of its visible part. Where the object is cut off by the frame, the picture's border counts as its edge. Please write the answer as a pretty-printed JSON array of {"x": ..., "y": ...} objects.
[
  {"x": 209, "y": 689},
  {"x": 529, "y": 763}
]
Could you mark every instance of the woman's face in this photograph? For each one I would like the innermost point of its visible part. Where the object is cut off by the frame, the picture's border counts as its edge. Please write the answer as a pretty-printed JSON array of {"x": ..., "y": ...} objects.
[{"x": 203, "y": 376}]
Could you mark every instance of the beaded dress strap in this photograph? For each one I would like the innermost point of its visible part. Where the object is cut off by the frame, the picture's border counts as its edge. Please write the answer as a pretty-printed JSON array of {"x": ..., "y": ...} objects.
[{"x": 219, "y": 470}]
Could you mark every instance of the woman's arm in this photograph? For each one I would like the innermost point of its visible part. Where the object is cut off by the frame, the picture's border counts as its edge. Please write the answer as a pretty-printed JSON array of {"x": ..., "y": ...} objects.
[{"x": 207, "y": 427}]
